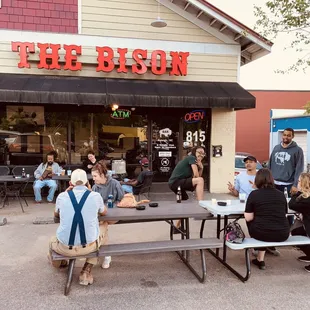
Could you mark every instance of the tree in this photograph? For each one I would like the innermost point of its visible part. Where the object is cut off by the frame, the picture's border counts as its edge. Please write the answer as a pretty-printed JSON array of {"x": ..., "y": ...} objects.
[
  {"x": 307, "y": 107},
  {"x": 291, "y": 17}
]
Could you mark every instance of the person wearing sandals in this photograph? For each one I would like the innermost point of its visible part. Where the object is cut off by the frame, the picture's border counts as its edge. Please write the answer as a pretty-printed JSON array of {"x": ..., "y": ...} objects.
[
  {"x": 300, "y": 203},
  {"x": 265, "y": 214},
  {"x": 78, "y": 207}
]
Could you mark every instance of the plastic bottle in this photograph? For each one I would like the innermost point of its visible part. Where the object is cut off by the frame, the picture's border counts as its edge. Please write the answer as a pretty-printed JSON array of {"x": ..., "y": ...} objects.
[
  {"x": 23, "y": 173},
  {"x": 179, "y": 195},
  {"x": 110, "y": 201},
  {"x": 285, "y": 192}
]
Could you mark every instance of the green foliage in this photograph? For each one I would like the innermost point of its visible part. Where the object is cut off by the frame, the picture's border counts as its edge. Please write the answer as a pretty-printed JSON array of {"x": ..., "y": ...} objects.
[
  {"x": 307, "y": 107},
  {"x": 291, "y": 17}
]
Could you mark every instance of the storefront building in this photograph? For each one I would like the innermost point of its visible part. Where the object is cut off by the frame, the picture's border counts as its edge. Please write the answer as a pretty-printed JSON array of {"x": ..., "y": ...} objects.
[{"x": 111, "y": 82}]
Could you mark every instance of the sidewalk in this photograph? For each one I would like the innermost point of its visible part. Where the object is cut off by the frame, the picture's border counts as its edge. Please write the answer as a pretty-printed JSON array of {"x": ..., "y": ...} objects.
[{"x": 138, "y": 282}]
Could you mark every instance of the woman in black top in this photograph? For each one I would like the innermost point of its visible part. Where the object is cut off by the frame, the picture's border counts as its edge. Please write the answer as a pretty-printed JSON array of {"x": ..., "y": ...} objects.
[
  {"x": 301, "y": 203},
  {"x": 90, "y": 162},
  {"x": 265, "y": 214}
]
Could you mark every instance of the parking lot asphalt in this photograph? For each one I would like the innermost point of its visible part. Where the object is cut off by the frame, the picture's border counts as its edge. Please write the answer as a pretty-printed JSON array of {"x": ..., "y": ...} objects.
[{"x": 150, "y": 281}]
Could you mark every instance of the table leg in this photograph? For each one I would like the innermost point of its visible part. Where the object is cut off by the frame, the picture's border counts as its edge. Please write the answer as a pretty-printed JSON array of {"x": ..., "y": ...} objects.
[
  {"x": 224, "y": 232},
  {"x": 182, "y": 234},
  {"x": 187, "y": 236},
  {"x": 218, "y": 231},
  {"x": 202, "y": 228}
]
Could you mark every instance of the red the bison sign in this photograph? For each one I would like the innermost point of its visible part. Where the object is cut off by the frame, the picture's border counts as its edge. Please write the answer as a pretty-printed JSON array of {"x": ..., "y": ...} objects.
[{"x": 107, "y": 59}]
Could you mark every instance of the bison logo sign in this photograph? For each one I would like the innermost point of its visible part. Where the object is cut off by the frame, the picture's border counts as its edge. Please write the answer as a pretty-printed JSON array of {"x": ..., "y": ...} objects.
[{"x": 281, "y": 158}]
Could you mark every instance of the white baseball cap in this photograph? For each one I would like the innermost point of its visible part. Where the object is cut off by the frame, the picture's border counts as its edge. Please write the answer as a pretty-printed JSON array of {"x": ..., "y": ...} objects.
[{"x": 78, "y": 175}]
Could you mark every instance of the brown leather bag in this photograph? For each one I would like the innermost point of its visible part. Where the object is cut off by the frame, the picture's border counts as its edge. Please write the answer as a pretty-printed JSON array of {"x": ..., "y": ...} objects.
[{"x": 129, "y": 201}]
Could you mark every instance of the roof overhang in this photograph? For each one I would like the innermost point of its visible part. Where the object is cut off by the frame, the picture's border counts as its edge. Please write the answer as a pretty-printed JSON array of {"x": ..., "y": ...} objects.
[
  {"x": 38, "y": 89},
  {"x": 224, "y": 27}
]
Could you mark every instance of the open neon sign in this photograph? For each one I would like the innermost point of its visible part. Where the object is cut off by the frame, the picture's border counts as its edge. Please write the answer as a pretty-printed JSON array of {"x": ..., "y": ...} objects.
[{"x": 194, "y": 116}]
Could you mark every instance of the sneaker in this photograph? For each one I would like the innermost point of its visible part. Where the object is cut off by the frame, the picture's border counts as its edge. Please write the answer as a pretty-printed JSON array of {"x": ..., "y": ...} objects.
[
  {"x": 260, "y": 265},
  {"x": 273, "y": 251},
  {"x": 304, "y": 259},
  {"x": 307, "y": 268},
  {"x": 106, "y": 262}
]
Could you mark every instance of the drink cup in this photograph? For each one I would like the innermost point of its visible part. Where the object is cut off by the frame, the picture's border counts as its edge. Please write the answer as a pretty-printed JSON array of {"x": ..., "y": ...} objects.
[
  {"x": 242, "y": 198},
  {"x": 63, "y": 172},
  {"x": 213, "y": 201},
  {"x": 69, "y": 172},
  {"x": 27, "y": 175}
]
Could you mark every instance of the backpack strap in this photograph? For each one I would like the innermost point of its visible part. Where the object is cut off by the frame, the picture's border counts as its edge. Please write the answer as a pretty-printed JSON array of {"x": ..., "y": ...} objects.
[{"x": 78, "y": 219}]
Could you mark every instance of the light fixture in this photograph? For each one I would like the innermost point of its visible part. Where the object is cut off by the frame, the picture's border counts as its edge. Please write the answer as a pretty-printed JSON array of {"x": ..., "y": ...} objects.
[
  {"x": 114, "y": 106},
  {"x": 158, "y": 23}
]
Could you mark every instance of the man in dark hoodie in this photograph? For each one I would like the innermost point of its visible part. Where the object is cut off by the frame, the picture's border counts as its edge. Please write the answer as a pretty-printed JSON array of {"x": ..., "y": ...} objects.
[{"x": 287, "y": 163}]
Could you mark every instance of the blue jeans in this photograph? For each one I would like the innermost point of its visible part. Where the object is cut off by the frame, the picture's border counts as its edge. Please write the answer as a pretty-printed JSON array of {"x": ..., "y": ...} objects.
[{"x": 37, "y": 189}]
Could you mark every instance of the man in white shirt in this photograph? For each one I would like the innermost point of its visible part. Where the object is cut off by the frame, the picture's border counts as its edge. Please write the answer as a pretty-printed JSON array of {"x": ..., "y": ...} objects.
[
  {"x": 245, "y": 180},
  {"x": 79, "y": 232}
]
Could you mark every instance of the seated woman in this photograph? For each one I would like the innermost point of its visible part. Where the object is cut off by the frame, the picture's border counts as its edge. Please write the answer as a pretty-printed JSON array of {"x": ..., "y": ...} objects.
[
  {"x": 105, "y": 185},
  {"x": 300, "y": 202},
  {"x": 265, "y": 214},
  {"x": 90, "y": 162}
]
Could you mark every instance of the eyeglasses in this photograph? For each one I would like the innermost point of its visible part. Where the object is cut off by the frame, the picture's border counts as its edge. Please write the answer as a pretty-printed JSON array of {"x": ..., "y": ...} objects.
[{"x": 201, "y": 154}]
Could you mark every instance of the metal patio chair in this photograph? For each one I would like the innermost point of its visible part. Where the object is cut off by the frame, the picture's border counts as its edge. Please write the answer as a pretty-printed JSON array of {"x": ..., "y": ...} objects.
[{"x": 145, "y": 188}]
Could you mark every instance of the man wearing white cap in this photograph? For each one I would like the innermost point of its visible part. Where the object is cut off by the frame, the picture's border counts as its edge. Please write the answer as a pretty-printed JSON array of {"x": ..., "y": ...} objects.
[{"x": 79, "y": 208}]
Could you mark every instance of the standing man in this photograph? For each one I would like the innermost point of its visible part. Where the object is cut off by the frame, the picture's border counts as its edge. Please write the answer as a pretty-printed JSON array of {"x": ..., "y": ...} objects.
[
  {"x": 287, "y": 163},
  {"x": 79, "y": 232},
  {"x": 43, "y": 176},
  {"x": 245, "y": 180}
]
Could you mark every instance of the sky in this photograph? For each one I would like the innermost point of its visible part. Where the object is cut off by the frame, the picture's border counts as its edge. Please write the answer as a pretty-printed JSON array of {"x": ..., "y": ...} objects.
[{"x": 260, "y": 74}]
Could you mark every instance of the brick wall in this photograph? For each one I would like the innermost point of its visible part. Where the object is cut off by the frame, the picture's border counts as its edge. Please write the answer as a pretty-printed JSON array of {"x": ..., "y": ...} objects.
[{"x": 40, "y": 15}]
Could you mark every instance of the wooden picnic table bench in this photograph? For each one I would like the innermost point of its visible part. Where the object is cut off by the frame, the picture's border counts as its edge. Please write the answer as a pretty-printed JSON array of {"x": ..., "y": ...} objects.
[
  {"x": 166, "y": 211},
  {"x": 147, "y": 248},
  {"x": 251, "y": 243}
]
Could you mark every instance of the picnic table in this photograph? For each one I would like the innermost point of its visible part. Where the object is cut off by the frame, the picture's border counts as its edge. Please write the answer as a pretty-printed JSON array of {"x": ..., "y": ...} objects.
[
  {"x": 235, "y": 208},
  {"x": 166, "y": 211},
  {"x": 238, "y": 208}
]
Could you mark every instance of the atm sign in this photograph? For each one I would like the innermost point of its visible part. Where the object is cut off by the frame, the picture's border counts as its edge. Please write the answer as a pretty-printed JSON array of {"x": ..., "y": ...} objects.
[{"x": 194, "y": 116}]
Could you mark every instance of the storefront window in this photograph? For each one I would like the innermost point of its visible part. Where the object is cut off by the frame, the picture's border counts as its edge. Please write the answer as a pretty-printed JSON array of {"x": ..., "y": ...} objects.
[
  {"x": 28, "y": 133},
  {"x": 112, "y": 135}
]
